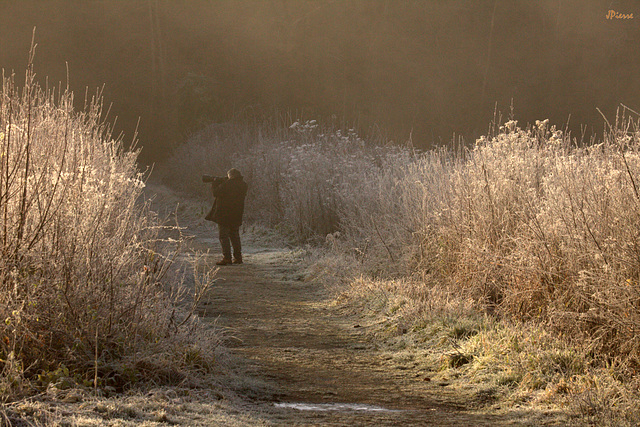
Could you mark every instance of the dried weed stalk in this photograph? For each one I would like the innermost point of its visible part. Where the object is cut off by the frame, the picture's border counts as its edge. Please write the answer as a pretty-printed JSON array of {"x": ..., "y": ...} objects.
[{"x": 81, "y": 262}]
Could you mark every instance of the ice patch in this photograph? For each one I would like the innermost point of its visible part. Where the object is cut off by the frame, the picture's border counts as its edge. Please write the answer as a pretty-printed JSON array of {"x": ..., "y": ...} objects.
[{"x": 333, "y": 407}]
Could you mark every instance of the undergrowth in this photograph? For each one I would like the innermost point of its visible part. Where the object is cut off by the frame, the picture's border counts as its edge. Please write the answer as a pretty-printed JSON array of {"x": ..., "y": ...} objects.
[
  {"x": 528, "y": 227},
  {"x": 83, "y": 261}
]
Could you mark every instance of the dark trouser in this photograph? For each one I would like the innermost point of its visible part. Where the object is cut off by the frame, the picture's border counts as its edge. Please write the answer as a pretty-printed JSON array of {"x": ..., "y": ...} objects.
[{"x": 230, "y": 236}]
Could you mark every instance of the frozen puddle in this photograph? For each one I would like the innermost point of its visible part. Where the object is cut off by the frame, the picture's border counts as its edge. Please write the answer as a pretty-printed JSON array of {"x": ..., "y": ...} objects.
[{"x": 333, "y": 407}]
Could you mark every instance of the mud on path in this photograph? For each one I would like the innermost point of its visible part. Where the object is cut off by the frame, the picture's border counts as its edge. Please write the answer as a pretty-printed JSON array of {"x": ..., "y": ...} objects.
[{"x": 314, "y": 361}]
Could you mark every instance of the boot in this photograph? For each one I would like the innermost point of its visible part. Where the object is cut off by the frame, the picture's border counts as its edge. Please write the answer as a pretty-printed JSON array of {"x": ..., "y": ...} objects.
[
  {"x": 224, "y": 261},
  {"x": 237, "y": 259}
]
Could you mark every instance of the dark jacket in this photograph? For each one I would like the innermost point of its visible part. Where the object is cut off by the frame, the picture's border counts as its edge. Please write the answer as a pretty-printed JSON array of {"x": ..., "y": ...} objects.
[{"x": 228, "y": 205}]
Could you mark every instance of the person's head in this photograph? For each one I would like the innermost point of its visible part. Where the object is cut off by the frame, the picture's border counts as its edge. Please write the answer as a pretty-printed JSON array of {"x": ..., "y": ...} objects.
[{"x": 234, "y": 173}]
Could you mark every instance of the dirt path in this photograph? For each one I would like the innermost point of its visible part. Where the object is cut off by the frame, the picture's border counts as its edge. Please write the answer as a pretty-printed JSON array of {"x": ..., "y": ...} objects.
[{"x": 292, "y": 338}]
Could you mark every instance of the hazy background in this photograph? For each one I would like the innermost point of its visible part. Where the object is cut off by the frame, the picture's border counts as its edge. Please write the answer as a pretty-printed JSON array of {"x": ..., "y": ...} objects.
[{"x": 424, "y": 69}]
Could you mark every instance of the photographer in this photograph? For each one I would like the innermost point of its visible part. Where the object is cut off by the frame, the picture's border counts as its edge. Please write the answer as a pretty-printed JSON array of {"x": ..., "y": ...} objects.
[{"x": 227, "y": 211}]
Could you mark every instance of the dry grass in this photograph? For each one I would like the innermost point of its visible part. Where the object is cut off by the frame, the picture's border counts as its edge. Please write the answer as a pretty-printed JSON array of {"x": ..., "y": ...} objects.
[
  {"x": 526, "y": 226},
  {"x": 526, "y": 223},
  {"x": 155, "y": 406},
  {"x": 83, "y": 301},
  {"x": 497, "y": 364}
]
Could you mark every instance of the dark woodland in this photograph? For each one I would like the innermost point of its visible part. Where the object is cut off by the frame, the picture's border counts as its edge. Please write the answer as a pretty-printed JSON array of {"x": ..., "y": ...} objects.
[{"x": 407, "y": 70}]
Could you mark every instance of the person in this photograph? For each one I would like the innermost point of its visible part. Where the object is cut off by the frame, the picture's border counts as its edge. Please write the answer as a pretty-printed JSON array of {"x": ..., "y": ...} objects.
[{"x": 227, "y": 210}]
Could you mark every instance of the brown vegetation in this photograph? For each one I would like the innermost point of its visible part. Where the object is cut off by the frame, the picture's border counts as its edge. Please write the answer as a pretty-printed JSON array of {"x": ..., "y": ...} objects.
[
  {"x": 526, "y": 226},
  {"x": 83, "y": 301}
]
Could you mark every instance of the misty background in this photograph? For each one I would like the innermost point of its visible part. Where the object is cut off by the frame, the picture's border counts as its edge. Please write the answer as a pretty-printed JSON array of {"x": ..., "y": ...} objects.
[{"x": 419, "y": 70}]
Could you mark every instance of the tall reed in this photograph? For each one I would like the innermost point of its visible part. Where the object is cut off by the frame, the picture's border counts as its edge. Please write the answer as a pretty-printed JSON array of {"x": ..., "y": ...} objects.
[{"x": 81, "y": 263}]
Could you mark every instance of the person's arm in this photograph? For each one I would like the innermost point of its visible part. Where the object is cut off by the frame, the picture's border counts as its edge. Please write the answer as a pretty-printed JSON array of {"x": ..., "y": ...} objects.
[{"x": 220, "y": 190}]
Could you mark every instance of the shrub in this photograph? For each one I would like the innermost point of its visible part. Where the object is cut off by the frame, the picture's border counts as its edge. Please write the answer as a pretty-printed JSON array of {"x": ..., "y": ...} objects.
[
  {"x": 526, "y": 223},
  {"x": 81, "y": 262},
  {"x": 209, "y": 151},
  {"x": 294, "y": 174},
  {"x": 295, "y": 184}
]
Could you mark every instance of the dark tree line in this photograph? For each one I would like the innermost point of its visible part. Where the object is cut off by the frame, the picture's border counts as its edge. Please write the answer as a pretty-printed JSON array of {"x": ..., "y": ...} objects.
[{"x": 423, "y": 68}]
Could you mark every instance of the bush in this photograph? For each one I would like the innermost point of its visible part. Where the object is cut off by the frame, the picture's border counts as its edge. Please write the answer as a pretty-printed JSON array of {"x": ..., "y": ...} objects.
[
  {"x": 295, "y": 184},
  {"x": 294, "y": 174},
  {"x": 526, "y": 223},
  {"x": 81, "y": 263},
  {"x": 209, "y": 151}
]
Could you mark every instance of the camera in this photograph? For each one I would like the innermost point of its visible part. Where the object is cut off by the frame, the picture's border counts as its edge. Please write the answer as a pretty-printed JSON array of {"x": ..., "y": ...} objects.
[{"x": 214, "y": 180}]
